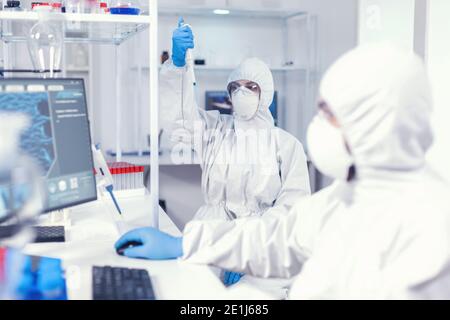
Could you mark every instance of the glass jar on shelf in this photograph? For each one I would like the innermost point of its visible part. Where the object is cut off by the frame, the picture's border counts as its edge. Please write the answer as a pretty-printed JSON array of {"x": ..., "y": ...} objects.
[
  {"x": 75, "y": 6},
  {"x": 91, "y": 6},
  {"x": 82, "y": 6}
]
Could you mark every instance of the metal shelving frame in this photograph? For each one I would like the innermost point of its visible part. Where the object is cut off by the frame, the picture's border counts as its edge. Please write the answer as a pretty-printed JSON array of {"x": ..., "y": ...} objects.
[{"x": 94, "y": 29}]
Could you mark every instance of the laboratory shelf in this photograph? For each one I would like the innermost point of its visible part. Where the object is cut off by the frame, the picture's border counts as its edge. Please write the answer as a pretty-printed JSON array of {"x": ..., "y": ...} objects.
[
  {"x": 78, "y": 27},
  {"x": 230, "y": 68},
  {"x": 165, "y": 159},
  {"x": 94, "y": 29},
  {"x": 238, "y": 12},
  {"x": 77, "y": 70}
]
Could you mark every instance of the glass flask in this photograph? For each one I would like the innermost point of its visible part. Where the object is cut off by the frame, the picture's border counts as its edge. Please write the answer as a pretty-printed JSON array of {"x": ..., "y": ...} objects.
[{"x": 44, "y": 43}]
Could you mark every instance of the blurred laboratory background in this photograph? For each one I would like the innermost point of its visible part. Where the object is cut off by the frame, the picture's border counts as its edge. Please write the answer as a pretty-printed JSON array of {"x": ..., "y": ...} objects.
[{"x": 298, "y": 39}]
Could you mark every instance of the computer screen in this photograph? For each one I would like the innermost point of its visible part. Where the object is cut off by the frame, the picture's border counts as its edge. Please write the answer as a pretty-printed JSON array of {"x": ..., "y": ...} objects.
[
  {"x": 219, "y": 100},
  {"x": 274, "y": 107},
  {"x": 58, "y": 137}
]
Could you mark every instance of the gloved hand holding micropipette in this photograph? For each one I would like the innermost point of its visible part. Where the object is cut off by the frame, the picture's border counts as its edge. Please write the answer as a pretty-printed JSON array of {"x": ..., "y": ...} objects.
[
  {"x": 182, "y": 40},
  {"x": 182, "y": 44}
]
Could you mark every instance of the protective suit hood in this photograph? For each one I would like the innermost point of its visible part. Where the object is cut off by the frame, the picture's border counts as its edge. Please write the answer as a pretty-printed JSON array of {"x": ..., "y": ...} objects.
[
  {"x": 381, "y": 96},
  {"x": 253, "y": 69}
]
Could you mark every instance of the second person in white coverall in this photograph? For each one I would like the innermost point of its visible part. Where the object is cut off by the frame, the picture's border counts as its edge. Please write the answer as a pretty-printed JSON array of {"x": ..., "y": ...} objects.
[
  {"x": 381, "y": 230},
  {"x": 249, "y": 167}
]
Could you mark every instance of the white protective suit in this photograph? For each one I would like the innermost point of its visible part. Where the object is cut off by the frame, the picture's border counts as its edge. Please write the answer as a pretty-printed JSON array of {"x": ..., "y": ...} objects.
[
  {"x": 386, "y": 234},
  {"x": 250, "y": 167}
]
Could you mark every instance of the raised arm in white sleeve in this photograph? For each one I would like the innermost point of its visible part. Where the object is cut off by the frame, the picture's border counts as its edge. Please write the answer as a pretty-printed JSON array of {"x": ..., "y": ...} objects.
[{"x": 180, "y": 115}]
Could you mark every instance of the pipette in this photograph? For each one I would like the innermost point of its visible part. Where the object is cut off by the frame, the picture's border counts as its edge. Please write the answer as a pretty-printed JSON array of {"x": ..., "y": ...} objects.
[
  {"x": 103, "y": 172},
  {"x": 189, "y": 58}
]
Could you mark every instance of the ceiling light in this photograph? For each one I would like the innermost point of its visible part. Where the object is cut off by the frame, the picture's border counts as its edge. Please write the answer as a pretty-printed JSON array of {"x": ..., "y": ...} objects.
[{"x": 221, "y": 11}]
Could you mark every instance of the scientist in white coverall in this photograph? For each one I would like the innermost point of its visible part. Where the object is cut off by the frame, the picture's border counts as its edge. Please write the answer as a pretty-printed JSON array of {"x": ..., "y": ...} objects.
[
  {"x": 381, "y": 230},
  {"x": 250, "y": 167}
]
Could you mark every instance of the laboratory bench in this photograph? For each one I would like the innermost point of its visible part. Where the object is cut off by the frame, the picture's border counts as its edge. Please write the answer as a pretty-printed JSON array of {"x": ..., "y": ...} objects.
[{"x": 90, "y": 242}]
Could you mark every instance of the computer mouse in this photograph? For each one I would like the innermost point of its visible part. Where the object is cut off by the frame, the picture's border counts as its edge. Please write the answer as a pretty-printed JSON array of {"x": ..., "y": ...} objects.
[{"x": 127, "y": 245}]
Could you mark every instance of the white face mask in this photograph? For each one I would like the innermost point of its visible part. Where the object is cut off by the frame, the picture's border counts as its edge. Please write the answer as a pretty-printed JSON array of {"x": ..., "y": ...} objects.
[
  {"x": 327, "y": 149},
  {"x": 245, "y": 103}
]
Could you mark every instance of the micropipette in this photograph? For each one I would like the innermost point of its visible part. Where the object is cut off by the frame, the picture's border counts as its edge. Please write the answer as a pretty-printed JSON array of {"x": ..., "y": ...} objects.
[
  {"x": 103, "y": 172},
  {"x": 189, "y": 58}
]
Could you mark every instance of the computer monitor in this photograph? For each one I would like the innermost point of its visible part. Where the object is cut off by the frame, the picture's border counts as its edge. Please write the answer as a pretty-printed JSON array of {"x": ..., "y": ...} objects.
[
  {"x": 274, "y": 107},
  {"x": 219, "y": 100},
  {"x": 58, "y": 138}
]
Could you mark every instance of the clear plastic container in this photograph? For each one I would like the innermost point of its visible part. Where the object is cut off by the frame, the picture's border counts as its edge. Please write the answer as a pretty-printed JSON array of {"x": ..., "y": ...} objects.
[
  {"x": 82, "y": 6},
  {"x": 57, "y": 6},
  {"x": 91, "y": 6},
  {"x": 74, "y": 6},
  {"x": 41, "y": 6},
  {"x": 130, "y": 7}
]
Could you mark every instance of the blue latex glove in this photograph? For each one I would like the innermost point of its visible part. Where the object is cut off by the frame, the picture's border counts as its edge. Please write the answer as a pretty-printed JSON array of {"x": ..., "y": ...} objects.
[
  {"x": 230, "y": 277},
  {"x": 50, "y": 282},
  {"x": 156, "y": 245},
  {"x": 42, "y": 282},
  {"x": 182, "y": 40}
]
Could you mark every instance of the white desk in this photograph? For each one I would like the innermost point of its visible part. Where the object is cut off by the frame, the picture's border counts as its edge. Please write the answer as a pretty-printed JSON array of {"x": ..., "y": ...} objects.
[{"x": 90, "y": 241}]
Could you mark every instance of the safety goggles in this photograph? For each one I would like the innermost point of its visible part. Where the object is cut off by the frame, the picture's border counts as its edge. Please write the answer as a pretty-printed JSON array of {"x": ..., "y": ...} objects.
[{"x": 252, "y": 86}]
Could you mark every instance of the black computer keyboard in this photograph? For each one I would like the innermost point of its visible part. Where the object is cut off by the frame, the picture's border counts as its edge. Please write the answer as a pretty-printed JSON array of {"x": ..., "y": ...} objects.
[
  {"x": 50, "y": 234},
  {"x": 43, "y": 233},
  {"x": 112, "y": 283}
]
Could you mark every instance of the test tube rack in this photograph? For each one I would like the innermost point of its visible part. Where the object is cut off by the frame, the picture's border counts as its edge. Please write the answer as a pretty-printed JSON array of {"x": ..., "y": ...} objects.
[{"x": 128, "y": 178}]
